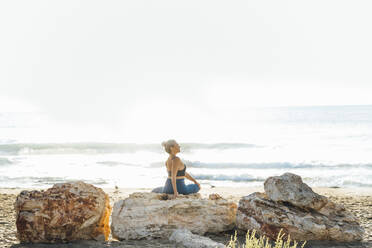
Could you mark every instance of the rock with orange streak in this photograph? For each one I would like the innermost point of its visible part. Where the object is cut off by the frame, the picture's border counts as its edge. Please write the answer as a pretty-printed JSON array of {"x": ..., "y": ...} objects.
[{"x": 65, "y": 212}]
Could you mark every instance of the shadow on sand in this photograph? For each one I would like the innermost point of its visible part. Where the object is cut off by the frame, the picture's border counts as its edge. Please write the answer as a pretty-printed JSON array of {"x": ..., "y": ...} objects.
[{"x": 157, "y": 243}]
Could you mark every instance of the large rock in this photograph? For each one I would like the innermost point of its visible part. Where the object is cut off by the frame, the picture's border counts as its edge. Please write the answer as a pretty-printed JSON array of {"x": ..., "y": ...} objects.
[
  {"x": 65, "y": 212},
  {"x": 290, "y": 188},
  {"x": 152, "y": 215},
  {"x": 330, "y": 222}
]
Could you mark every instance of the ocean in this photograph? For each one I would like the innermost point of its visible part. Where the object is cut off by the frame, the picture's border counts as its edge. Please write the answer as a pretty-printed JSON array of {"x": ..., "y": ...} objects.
[{"x": 328, "y": 146}]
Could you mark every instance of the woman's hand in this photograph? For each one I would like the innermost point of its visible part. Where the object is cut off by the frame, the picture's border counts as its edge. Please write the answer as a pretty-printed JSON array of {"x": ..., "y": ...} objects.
[
  {"x": 188, "y": 176},
  {"x": 175, "y": 195},
  {"x": 198, "y": 184}
]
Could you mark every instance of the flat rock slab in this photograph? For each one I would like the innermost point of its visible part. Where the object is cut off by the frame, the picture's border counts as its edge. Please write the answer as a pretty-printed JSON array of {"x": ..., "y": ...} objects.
[
  {"x": 190, "y": 240},
  {"x": 153, "y": 215}
]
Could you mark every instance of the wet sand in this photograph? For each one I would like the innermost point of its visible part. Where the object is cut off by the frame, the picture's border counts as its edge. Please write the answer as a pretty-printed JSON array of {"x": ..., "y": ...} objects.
[{"x": 359, "y": 201}]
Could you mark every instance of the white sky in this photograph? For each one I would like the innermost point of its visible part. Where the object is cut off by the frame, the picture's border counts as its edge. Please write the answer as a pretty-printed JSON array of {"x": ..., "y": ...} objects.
[{"x": 136, "y": 61}]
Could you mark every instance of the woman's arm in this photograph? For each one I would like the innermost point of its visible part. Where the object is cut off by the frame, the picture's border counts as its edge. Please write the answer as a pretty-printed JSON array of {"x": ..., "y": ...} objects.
[
  {"x": 175, "y": 162},
  {"x": 188, "y": 176}
]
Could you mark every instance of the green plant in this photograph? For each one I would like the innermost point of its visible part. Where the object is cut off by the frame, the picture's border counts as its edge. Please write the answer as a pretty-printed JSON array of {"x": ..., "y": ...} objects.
[{"x": 263, "y": 242}]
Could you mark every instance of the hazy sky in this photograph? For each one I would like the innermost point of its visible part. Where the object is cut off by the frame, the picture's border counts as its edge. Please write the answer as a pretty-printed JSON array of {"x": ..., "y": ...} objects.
[{"x": 143, "y": 60}]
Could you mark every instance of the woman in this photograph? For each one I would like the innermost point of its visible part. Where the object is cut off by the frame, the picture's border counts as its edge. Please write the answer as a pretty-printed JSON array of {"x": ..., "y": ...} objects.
[{"x": 176, "y": 173}]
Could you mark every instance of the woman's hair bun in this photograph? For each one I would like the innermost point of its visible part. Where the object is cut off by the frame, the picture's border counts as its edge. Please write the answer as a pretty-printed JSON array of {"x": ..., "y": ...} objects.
[{"x": 168, "y": 144}]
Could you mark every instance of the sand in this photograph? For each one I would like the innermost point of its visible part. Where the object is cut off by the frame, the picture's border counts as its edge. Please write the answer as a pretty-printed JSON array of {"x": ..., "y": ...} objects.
[{"x": 359, "y": 201}]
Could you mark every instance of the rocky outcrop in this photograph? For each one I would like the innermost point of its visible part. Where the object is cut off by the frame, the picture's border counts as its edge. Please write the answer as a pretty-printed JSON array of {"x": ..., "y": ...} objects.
[
  {"x": 284, "y": 207},
  {"x": 290, "y": 188},
  {"x": 65, "y": 212},
  {"x": 152, "y": 215},
  {"x": 190, "y": 240}
]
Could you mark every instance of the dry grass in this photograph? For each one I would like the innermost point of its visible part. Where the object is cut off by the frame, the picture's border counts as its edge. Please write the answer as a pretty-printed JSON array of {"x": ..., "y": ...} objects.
[{"x": 263, "y": 242}]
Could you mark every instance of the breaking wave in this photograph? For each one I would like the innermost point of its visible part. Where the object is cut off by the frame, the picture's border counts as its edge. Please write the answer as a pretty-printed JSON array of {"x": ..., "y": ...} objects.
[
  {"x": 273, "y": 165},
  {"x": 91, "y": 147},
  {"x": 234, "y": 178},
  {"x": 361, "y": 181},
  {"x": 5, "y": 161}
]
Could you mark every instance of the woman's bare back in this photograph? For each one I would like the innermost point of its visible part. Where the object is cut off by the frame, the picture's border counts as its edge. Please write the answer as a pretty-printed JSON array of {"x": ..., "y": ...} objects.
[{"x": 168, "y": 164}]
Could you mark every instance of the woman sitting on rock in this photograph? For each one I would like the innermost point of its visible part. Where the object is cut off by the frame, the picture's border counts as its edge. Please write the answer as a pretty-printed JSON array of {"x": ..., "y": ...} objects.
[{"x": 176, "y": 173}]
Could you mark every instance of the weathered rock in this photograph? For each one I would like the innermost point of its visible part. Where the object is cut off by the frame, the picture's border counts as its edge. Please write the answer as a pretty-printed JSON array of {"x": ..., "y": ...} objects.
[
  {"x": 290, "y": 188},
  {"x": 190, "y": 240},
  {"x": 152, "y": 215},
  {"x": 332, "y": 222},
  {"x": 65, "y": 212}
]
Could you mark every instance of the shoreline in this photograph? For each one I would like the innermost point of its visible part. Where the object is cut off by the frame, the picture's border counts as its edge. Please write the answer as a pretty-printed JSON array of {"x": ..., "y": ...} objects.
[
  {"x": 208, "y": 188},
  {"x": 356, "y": 200}
]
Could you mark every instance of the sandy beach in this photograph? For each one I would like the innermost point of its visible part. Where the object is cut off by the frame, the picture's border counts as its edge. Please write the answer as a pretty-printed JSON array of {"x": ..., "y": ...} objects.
[{"x": 359, "y": 201}]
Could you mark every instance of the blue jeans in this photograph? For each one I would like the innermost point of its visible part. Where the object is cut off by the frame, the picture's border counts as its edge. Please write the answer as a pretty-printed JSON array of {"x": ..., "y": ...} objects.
[{"x": 182, "y": 188}]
